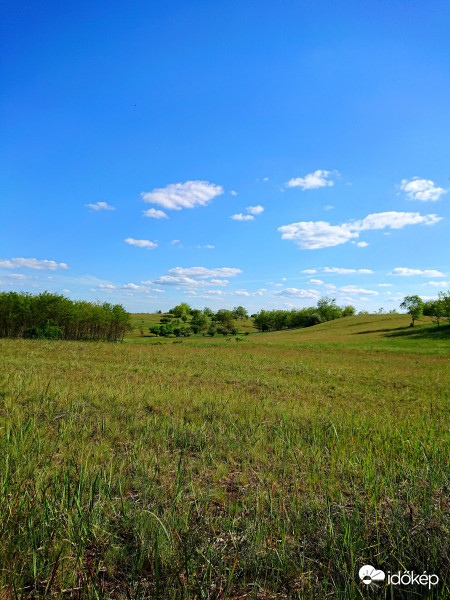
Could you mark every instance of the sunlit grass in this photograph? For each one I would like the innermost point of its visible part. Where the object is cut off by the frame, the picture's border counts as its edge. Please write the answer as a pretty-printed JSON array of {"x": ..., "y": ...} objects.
[{"x": 268, "y": 468}]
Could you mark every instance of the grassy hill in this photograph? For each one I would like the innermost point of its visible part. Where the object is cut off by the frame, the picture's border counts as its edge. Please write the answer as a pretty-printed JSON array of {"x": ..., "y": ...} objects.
[{"x": 376, "y": 332}]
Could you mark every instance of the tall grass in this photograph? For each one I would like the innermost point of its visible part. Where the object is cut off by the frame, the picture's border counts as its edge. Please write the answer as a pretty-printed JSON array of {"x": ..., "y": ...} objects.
[{"x": 214, "y": 471}]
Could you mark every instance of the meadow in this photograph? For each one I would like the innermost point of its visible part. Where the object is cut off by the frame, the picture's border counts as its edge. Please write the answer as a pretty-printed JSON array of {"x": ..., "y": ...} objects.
[{"x": 271, "y": 466}]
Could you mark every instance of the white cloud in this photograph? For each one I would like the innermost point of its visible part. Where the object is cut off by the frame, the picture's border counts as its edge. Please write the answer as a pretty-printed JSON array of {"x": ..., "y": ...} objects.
[
  {"x": 352, "y": 289},
  {"x": 438, "y": 283},
  {"x": 316, "y": 281},
  {"x": 100, "y": 206},
  {"x": 173, "y": 280},
  {"x": 328, "y": 207},
  {"x": 241, "y": 217},
  {"x": 362, "y": 244},
  {"x": 320, "y": 234},
  {"x": 318, "y": 179},
  {"x": 203, "y": 272},
  {"x": 265, "y": 179},
  {"x": 311, "y": 271},
  {"x": 31, "y": 263},
  {"x": 341, "y": 271},
  {"x": 207, "y": 246},
  {"x": 17, "y": 276},
  {"x": 311, "y": 235},
  {"x": 107, "y": 287},
  {"x": 153, "y": 213},
  {"x": 141, "y": 243},
  {"x": 175, "y": 241},
  {"x": 296, "y": 293},
  {"x": 255, "y": 210},
  {"x": 217, "y": 292},
  {"x": 384, "y": 284},
  {"x": 135, "y": 288},
  {"x": 393, "y": 220},
  {"x": 184, "y": 281},
  {"x": 233, "y": 193},
  {"x": 219, "y": 281},
  {"x": 66, "y": 291},
  {"x": 421, "y": 189},
  {"x": 183, "y": 195},
  {"x": 405, "y": 272}
]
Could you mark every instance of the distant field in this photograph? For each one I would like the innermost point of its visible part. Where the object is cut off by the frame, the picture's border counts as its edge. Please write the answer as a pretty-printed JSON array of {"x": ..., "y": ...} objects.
[{"x": 273, "y": 467}]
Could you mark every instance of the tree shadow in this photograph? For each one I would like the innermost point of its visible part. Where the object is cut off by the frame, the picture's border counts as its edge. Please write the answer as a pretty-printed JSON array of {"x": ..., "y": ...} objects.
[
  {"x": 390, "y": 329},
  {"x": 433, "y": 332}
]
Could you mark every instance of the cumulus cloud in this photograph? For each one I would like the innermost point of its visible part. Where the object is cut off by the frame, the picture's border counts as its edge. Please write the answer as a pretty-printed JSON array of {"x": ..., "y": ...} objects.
[
  {"x": 255, "y": 210},
  {"x": 438, "y": 283},
  {"x": 405, "y": 272},
  {"x": 153, "y": 213},
  {"x": 296, "y": 293},
  {"x": 183, "y": 195},
  {"x": 31, "y": 263},
  {"x": 316, "y": 281},
  {"x": 341, "y": 271},
  {"x": 362, "y": 244},
  {"x": 311, "y": 235},
  {"x": 421, "y": 189},
  {"x": 141, "y": 243},
  {"x": 241, "y": 217},
  {"x": 353, "y": 289},
  {"x": 183, "y": 281},
  {"x": 318, "y": 179},
  {"x": 203, "y": 272},
  {"x": 135, "y": 288},
  {"x": 100, "y": 206}
]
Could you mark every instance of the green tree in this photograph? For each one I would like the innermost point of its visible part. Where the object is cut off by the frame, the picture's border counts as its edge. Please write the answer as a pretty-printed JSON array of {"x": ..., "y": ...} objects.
[
  {"x": 434, "y": 309},
  {"x": 239, "y": 312},
  {"x": 328, "y": 309},
  {"x": 413, "y": 306},
  {"x": 182, "y": 310},
  {"x": 348, "y": 311}
]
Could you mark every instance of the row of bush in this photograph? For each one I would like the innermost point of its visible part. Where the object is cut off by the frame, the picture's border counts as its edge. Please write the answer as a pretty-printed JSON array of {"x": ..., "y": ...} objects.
[
  {"x": 53, "y": 316},
  {"x": 326, "y": 310}
]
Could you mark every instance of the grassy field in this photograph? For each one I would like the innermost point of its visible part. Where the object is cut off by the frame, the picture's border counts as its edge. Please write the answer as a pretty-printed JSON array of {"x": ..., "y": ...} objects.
[{"x": 273, "y": 467}]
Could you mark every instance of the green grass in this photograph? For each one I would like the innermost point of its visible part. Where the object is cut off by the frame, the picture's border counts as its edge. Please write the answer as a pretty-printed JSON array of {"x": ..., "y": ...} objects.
[{"x": 269, "y": 468}]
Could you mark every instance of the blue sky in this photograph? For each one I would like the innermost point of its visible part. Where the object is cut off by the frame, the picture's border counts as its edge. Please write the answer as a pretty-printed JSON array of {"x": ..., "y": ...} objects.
[{"x": 222, "y": 153}]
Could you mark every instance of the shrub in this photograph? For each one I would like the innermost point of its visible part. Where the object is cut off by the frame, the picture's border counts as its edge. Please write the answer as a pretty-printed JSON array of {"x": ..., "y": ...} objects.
[
  {"x": 313, "y": 319},
  {"x": 43, "y": 332}
]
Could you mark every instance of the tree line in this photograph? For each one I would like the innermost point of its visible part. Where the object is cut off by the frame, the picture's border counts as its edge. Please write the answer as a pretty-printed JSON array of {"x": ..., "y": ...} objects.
[
  {"x": 326, "y": 310},
  {"x": 183, "y": 320},
  {"x": 53, "y": 316},
  {"x": 437, "y": 309}
]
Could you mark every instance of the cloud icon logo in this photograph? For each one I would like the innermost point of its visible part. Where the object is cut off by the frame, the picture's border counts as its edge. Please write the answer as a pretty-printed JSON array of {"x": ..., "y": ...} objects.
[{"x": 368, "y": 574}]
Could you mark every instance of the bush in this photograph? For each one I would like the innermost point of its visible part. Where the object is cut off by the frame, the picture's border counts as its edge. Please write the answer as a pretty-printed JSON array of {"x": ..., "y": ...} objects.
[
  {"x": 43, "y": 332},
  {"x": 313, "y": 319}
]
